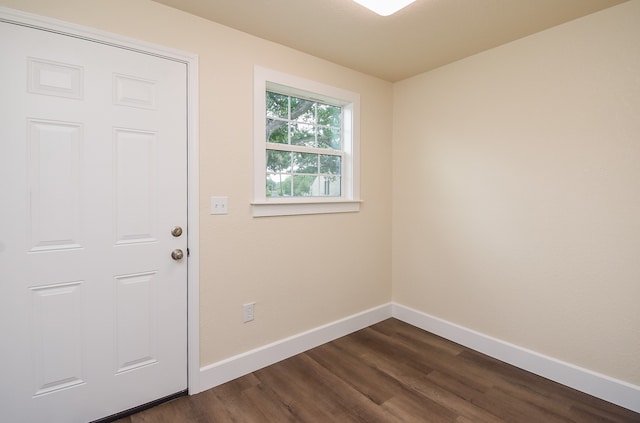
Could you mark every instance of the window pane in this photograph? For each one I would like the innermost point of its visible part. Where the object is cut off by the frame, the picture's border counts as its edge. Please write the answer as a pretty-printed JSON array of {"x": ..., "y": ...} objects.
[
  {"x": 329, "y": 115},
  {"x": 277, "y": 105},
  {"x": 302, "y": 110},
  {"x": 329, "y": 138},
  {"x": 278, "y": 185},
  {"x": 302, "y": 185},
  {"x": 277, "y": 131},
  {"x": 278, "y": 161},
  {"x": 328, "y": 186},
  {"x": 303, "y": 134},
  {"x": 305, "y": 163},
  {"x": 330, "y": 164}
]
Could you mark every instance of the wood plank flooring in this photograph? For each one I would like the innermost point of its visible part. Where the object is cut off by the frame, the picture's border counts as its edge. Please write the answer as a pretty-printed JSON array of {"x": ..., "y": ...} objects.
[{"x": 389, "y": 372}]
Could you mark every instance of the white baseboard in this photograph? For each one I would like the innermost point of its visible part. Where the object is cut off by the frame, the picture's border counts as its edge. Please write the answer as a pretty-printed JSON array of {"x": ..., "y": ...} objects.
[
  {"x": 223, "y": 371},
  {"x": 609, "y": 389}
]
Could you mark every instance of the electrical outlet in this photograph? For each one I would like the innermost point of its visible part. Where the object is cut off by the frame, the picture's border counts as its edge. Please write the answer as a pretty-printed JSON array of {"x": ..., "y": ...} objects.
[
  {"x": 247, "y": 312},
  {"x": 219, "y": 205}
]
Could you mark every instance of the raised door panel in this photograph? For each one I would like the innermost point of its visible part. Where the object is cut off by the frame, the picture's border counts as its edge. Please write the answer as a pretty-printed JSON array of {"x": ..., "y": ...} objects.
[
  {"x": 54, "y": 184},
  {"x": 137, "y": 321},
  {"x": 136, "y": 174},
  {"x": 58, "y": 337}
]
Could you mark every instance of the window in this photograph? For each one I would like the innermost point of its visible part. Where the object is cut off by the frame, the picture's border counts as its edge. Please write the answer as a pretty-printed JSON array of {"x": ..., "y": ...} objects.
[{"x": 305, "y": 146}]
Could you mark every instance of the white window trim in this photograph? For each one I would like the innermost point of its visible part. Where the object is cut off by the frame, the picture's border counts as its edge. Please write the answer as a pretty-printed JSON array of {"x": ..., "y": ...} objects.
[{"x": 350, "y": 201}]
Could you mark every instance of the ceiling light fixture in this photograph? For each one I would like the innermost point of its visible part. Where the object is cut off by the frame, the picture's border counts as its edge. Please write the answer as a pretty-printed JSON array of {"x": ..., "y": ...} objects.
[{"x": 384, "y": 7}]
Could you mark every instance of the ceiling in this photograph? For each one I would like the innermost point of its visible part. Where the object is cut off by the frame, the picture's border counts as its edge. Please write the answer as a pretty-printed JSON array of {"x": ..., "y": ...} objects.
[{"x": 423, "y": 36}]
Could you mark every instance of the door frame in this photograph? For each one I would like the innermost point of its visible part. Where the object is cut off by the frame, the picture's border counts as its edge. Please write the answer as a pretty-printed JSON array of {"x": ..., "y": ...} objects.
[{"x": 193, "y": 214}]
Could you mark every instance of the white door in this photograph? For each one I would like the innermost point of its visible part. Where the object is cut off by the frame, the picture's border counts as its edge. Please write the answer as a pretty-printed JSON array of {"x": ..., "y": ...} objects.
[{"x": 93, "y": 178}]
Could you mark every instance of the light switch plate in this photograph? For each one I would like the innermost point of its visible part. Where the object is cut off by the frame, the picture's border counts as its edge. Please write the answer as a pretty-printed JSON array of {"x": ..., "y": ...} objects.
[{"x": 219, "y": 205}]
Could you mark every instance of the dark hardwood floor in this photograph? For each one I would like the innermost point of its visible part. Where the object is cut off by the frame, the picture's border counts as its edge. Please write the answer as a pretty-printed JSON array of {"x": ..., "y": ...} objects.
[{"x": 389, "y": 372}]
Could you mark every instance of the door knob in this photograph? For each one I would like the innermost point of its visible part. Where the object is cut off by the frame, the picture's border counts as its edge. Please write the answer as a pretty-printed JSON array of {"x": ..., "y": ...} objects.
[
  {"x": 177, "y": 254},
  {"x": 176, "y": 231}
]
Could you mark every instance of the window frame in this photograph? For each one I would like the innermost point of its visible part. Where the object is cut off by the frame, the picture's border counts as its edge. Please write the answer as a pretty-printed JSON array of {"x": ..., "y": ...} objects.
[{"x": 349, "y": 201}]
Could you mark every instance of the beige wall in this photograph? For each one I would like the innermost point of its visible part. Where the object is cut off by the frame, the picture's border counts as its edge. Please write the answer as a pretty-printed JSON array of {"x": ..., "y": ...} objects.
[
  {"x": 516, "y": 192},
  {"x": 302, "y": 271}
]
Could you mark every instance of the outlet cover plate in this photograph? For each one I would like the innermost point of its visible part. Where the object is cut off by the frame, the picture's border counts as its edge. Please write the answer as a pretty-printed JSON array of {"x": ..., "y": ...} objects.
[{"x": 247, "y": 312}]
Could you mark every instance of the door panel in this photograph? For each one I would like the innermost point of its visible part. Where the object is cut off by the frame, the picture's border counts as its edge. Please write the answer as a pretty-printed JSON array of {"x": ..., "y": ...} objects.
[
  {"x": 93, "y": 176},
  {"x": 57, "y": 337},
  {"x": 54, "y": 180},
  {"x": 136, "y": 316},
  {"x": 136, "y": 189}
]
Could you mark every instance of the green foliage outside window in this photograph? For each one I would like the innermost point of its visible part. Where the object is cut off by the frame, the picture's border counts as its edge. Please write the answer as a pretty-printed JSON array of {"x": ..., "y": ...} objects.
[{"x": 309, "y": 126}]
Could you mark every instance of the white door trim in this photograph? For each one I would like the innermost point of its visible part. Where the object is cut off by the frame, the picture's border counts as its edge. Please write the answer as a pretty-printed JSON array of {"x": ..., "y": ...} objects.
[{"x": 191, "y": 61}]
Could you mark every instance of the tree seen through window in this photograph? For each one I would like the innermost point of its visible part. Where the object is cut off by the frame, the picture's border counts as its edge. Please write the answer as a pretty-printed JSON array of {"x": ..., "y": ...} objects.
[{"x": 304, "y": 147}]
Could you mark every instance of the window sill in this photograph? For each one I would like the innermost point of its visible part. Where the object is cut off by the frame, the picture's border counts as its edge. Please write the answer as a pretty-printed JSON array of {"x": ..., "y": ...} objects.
[{"x": 266, "y": 209}]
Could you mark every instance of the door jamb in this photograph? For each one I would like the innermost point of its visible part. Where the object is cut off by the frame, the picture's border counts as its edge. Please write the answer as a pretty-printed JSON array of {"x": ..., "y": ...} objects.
[{"x": 193, "y": 213}]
